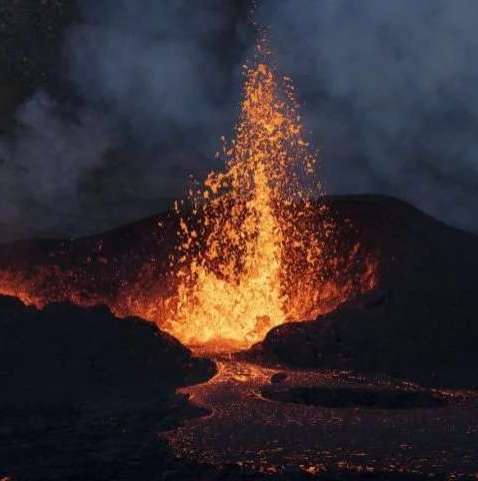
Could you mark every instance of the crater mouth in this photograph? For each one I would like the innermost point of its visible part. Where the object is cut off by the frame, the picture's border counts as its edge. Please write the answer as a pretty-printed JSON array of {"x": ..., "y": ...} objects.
[{"x": 329, "y": 397}]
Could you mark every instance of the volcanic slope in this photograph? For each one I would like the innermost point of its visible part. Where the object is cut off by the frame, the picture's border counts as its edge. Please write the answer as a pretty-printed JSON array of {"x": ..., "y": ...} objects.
[{"x": 420, "y": 324}]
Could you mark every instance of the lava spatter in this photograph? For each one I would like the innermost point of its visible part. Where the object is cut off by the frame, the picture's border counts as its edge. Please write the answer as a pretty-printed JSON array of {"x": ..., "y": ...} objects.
[{"x": 258, "y": 249}]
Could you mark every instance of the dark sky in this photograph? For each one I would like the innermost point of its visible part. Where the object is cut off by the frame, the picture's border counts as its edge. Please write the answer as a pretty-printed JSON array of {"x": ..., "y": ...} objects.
[{"x": 106, "y": 107}]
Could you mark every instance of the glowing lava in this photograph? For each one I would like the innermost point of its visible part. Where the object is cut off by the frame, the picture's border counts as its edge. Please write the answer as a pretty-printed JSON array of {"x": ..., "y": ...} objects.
[
  {"x": 255, "y": 247},
  {"x": 260, "y": 260}
]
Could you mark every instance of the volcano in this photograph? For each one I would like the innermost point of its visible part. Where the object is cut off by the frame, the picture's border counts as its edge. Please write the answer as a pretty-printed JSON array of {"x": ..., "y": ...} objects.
[
  {"x": 424, "y": 322},
  {"x": 416, "y": 326},
  {"x": 254, "y": 246},
  {"x": 314, "y": 316}
]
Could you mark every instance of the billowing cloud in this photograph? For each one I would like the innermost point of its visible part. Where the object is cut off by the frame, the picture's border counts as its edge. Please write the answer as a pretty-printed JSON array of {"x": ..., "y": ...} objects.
[{"x": 390, "y": 90}]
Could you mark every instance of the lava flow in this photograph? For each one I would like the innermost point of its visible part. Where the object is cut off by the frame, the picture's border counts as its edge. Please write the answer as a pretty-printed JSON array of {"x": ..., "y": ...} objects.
[{"x": 255, "y": 246}]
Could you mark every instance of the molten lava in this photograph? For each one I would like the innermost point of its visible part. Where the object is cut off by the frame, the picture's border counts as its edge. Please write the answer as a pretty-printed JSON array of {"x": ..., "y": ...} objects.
[
  {"x": 261, "y": 261},
  {"x": 256, "y": 246}
]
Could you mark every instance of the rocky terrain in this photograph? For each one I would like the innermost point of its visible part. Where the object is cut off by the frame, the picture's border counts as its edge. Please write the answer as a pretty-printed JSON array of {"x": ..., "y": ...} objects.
[
  {"x": 82, "y": 391},
  {"x": 92, "y": 397},
  {"x": 85, "y": 396},
  {"x": 420, "y": 324}
]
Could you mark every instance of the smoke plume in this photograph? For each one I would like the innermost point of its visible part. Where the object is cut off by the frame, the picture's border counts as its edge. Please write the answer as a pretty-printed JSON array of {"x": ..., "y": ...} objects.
[
  {"x": 388, "y": 90},
  {"x": 152, "y": 86}
]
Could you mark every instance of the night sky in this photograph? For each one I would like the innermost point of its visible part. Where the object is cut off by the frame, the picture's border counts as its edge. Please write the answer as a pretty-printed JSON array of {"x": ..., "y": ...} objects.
[{"x": 107, "y": 107}]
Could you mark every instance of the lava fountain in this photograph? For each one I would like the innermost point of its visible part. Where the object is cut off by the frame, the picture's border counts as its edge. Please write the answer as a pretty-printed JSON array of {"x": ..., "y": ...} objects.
[
  {"x": 251, "y": 254},
  {"x": 257, "y": 245}
]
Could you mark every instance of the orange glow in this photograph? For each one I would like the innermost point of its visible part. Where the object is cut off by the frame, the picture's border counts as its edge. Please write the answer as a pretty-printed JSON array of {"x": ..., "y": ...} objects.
[
  {"x": 261, "y": 261},
  {"x": 257, "y": 245}
]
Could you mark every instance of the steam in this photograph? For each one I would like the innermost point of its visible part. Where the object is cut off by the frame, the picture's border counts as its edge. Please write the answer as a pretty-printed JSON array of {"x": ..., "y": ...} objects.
[
  {"x": 152, "y": 85},
  {"x": 390, "y": 88},
  {"x": 43, "y": 164}
]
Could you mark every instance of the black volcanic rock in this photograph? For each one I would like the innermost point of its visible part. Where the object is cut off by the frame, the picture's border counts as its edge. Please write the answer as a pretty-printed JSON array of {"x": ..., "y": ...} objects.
[
  {"x": 420, "y": 324},
  {"x": 85, "y": 394},
  {"x": 67, "y": 355}
]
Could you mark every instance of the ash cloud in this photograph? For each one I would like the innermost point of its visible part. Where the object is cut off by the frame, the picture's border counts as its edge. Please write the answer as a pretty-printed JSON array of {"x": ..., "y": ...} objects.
[
  {"x": 45, "y": 159},
  {"x": 390, "y": 89},
  {"x": 151, "y": 87}
]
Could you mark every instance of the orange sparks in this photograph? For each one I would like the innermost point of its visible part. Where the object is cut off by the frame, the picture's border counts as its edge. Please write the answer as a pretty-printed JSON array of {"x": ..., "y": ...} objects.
[{"x": 262, "y": 260}]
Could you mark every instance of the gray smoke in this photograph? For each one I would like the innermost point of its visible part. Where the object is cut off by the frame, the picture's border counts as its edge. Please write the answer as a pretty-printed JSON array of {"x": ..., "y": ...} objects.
[
  {"x": 154, "y": 84},
  {"x": 156, "y": 66},
  {"x": 42, "y": 165},
  {"x": 390, "y": 90},
  {"x": 389, "y": 94}
]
